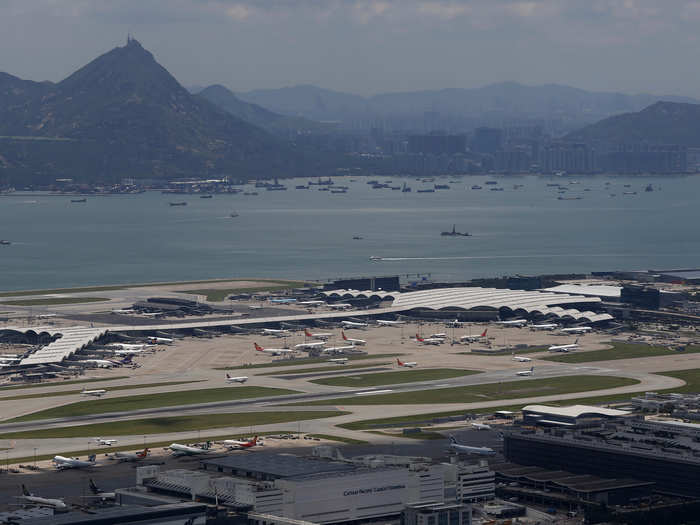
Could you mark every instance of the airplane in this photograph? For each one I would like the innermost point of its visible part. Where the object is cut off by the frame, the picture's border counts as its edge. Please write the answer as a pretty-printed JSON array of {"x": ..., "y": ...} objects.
[
  {"x": 184, "y": 450},
  {"x": 526, "y": 372},
  {"x": 62, "y": 462},
  {"x": 99, "y": 493},
  {"x": 125, "y": 346},
  {"x": 45, "y": 316},
  {"x": 409, "y": 364},
  {"x": 277, "y": 333},
  {"x": 310, "y": 346},
  {"x": 419, "y": 339},
  {"x": 481, "y": 426},
  {"x": 42, "y": 502},
  {"x": 339, "y": 360},
  {"x": 100, "y": 363},
  {"x": 549, "y": 326},
  {"x": 514, "y": 322},
  {"x": 382, "y": 322},
  {"x": 131, "y": 456},
  {"x": 95, "y": 393},
  {"x": 358, "y": 342},
  {"x": 312, "y": 303},
  {"x": 108, "y": 442},
  {"x": 521, "y": 359},
  {"x": 128, "y": 351},
  {"x": 273, "y": 351},
  {"x": 352, "y": 324},
  {"x": 338, "y": 349},
  {"x": 239, "y": 379},
  {"x": 576, "y": 330},
  {"x": 160, "y": 341},
  {"x": 454, "y": 324},
  {"x": 283, "y": 301},
  {"x": 124, "y": 311},
  {"x": 256, "y": 307},
  {"x": 474, "y": 338},
  {"x": 466, "y": 449},
  {"x": 240, "y": 445},
  {"x": 564, "y": 348},
  {"x": 438, "y": 336},
  {"x": 152, "y": 314},
  {"x": 318, "y": 335},
  {"x": 340, "y": 306}
]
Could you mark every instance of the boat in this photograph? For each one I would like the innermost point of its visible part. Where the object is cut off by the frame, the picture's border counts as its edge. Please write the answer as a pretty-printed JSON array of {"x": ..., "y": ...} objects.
[
  {"x": 441, "y": 186},
  {"x": 250, "y": 193},
  {"x": 324, "y": 189},
  {"x": 491, "y": 182},
  {"x": 476, "y": 187},
  {"x": 375, "y": 258},
  {"x": 338, "y": 191},
  {"x": 356, "y": 238},
  {"x": 233, "y": 214},
  {"x": 628, "y": 185},
  {"x": 553, "y": 184},
  {"x": 649, "y": 188},
  {"x": 180, "y": 203},
  {"x": 569, "y": 198},
  {"x": 630, "y": 193},
  {"x": 79, "y": 200},
  {"x": 5, "y": 242},
  {"x": 429, "y": 190},
  {"x": 301, "y": 187},
  {"x": 496, "y": 189},
  {"x": 206, "y": 196},
  {"x": 394, "y": 188},
  {"x": 405, "y": 188},
  {"x": 455, "y": 233}
]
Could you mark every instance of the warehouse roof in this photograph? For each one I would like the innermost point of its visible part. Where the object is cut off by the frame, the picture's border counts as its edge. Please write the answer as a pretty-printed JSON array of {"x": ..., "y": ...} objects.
[
  {"x": 72, "y": 339},
  {"x": 592, "y": 290},
  {"x": 575, "y": 411},
  {"x": 279, "y": 465}
]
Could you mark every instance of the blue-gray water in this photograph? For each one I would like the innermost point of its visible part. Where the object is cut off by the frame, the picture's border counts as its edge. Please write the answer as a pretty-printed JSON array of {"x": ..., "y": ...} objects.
[{"x": 308, "y": 234}]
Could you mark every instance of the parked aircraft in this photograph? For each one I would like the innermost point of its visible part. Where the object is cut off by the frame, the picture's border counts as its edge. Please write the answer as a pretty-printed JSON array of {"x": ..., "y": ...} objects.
[
  {"x": 441, "y": 335},
  {"x": 340, "y": 306},
  {"x": 100, "y": 363},
  {"x": 408, "y": 364},
  {"x": 126, "y": 346},
  {"x": 474, "y": 338},
  {"x": 358, "y": 342},
  {"x": 310, "y": 346},
  {"x": 521, "y": 359},
  {"x": 107, "y": 442},
  {"x": 240, "y": 445},
  {"x": 98, "y": 493},
  {"x": 466, "y": 449},
  {"x": 273, "y": 351},
  {"x": 131, "y": 456},
  {"x": 62, "y": 462},
  {"x": 239, "y": 379},
  {"x": 526, "y": 372},
  {"x": 276, "y": 333},
  {"x": 453, "y": 324},
  {"x": 564, "y": 348},
  {"x": 513, "y": 322},
  {"x": 185, "y": 450},
  {"x": 420, "y": 340},
  {"x": 94, "y": 393},
  {"x": 160, "y": 341},
  {"x": 338, "y": 349},
  {"x": 42, "y": 502},
  {"x": 353, "y": 324},
  {"x": 576, "y": 330},
  {"x": 481, "y": 426},
  {"x": 318, "y": 335},
  {"x": 311, "y": 303},
  {"x": 549, "y": 326},
  {"x": 382, "y": 322},
  {"x": 339, "y": 360}
]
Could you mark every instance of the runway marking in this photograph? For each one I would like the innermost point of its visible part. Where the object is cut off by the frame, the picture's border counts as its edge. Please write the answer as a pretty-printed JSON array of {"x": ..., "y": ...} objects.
[{"x": 370, "y": 392}]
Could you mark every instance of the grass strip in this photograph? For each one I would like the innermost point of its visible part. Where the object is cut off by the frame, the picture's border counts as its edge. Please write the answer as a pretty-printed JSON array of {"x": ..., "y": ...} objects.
[
  {"x": 410, "y": 435},
  {"x": 111, "y": 389},
  {"x": 619, "y": 351},
  {"x": 161, "y": 399},
  {"x": 57, "y": 383},
  {"x": 486, "y": 392},
  {"x": 220, "y": 294},
  {"x": 54, "y": 301},
  {"x": 691, "y": 378},
  {"x": 162, "y": 425},
  {"x": 531, "y": 350},
  {"x": 393, "y": 378},
  {"x": 339, "y": 367},
  {"x": 304, "y": 361}
]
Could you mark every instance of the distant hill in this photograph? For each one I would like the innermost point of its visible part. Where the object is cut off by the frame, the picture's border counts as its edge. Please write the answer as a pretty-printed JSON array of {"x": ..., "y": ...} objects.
[
  {"x": 660, "y": 123},
  {"x": 257, "y": 115},
  {"x": 492, "y": 104},
  {"x": 123, "y": 115}
]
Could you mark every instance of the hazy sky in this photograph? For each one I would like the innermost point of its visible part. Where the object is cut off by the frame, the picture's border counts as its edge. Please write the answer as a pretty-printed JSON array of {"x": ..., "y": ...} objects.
[{"x": 369, "y": 46}]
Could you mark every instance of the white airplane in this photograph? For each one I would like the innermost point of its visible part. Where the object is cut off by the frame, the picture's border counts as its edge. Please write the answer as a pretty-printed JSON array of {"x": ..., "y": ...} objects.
[
  {"x": 62, "y": 462},
  {"x": 132, "y": 351},
  {"x": 473, "y": 338},
  {"x": 95, "y": 393},
  {"x": 310, "y": 346},
  {"x": 131, "y": 456},
  {"x": 453, "y": 324},
  {"x": 352, "y": 324},
  {"x": 521, "y": 359},
  {"x": 514, "y": 322},
  {"x": 239, "y": 379},
  {"x": 408, "y": 364},
  {"x": 256, "y": 307},
  {"x": 108, "y": 442},
  {"x": 549, "y": 326},
  {"x": 526, "y": 372},
  {"x": 481, "y": 426},
  {"x": 160, "y": 341},
  {"x": 100, "y": 363},
  {"x": 124, "y": 311},
  {"x": 576, "y": 330},
  {"x": 311, "y": 303},
  {"x": 340, "y": 306},
  {"x": 420, "y": 340},
  {"x": 240, "y": 445},
  {"x": 564, "y": 348},
  {"x": 153, "y": 314},
  {"x": 272, "y": 351},
  {"x": 339, "y": 360},
  {"x": 277, "y": 333},
  {"x": 98, "y": 493},
  {"x": 45, "y": 316},
  {"x": 358, "y": 342},
  {"x": 466, "y": 449},
  {"x": 338, "y": 349},
  {"x": 185, "y": 450},
  {"x": 318, "y": 335},
  {"x": 382, "y": 322},
  {"x": 42, "y": 502},
  {"x": 127, "y": 347},
  {"x": 438, "y": 336}
]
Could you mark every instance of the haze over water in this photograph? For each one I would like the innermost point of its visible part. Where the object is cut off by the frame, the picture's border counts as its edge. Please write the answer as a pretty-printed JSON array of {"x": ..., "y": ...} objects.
[{"x": 308, "y": 234}]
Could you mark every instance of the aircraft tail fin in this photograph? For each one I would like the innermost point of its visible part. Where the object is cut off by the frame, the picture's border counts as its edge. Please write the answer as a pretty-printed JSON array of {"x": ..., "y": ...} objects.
[
  {"x": 258, "y": 347},
  {"x": 483, "y": 334},
  {"x": 94, "y": 488},
  {"x": 25, "y": 492},
  {"x": 453, "y": 440},
  {"x": 92, "y": 458}
]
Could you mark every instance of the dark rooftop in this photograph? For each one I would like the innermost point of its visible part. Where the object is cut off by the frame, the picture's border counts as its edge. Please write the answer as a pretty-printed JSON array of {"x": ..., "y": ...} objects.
[
  {"x": 134, "y": 514},
  {"x": 278, "y": 465}
]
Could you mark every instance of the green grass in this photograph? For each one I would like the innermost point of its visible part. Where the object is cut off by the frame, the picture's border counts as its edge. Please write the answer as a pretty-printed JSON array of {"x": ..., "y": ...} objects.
[
  {"x": 57, "y": 383},
  {"x": 410, "y": 435},
  {"x": 111, "y": 389},
  {"x": 305, "y": 361},
  {"x": 220, "y": 294},
  {"x": 691, "y": 377},
  {"x": 487, "y": 392},
  {"x": 161, "y": 425},
  {"x": 393, "y": 378},
  {"x": 619, "y": 351},
  {"x": 341, "y": 439},
  {"x": 162, "y": 399},
  {"x": 54, "y": 301},
  {"x": 340, "y": 368},
  {"x": 531, "y": 350}
]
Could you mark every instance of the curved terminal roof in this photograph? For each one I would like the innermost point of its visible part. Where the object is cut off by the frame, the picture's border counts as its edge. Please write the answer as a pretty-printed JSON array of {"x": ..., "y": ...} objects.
[
  {"x": 575, "y": 411},
  {"x": 73, "y": 338}
]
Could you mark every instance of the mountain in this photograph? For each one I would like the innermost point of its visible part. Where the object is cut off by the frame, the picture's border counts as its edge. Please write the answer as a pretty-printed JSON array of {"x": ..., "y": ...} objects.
[
  {"x": 122, "y": 115},
  {"x": 489, "y": 105},
  {"x": 257, "y": 115},
  {"x": 661, "y": 123}
]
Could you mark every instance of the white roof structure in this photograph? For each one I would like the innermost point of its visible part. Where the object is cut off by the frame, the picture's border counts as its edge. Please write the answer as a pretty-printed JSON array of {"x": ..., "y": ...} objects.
[
  {"x": 72, "y": 339},
  {"x": 520, "y": 302},
  {"x": 575, "y": 411},
  {"x": 590, "y": 290}
]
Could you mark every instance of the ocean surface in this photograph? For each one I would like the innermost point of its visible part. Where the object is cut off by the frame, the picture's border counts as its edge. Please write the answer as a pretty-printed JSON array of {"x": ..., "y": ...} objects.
[{"x": 308, "y": 234}]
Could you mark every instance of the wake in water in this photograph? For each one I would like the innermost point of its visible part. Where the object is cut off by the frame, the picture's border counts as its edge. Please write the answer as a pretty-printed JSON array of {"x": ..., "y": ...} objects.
[{"x": 540, "y": 256}]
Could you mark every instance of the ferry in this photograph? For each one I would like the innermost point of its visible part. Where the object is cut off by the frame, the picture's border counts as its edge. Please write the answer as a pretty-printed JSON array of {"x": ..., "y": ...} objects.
[
  {"x": 233, "y": 214},
  {"x": 375, "y": 258},
  {"x": 206, "y": 196},
  {"x": 649, "y": 188},
  {"x": 491, "y": 182},
  {"x": 181, "y": 203},
  {"x": 476, "y": 187},
  {"x": 79, "y": 200},
  {"x": 5, "y": 242}
]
